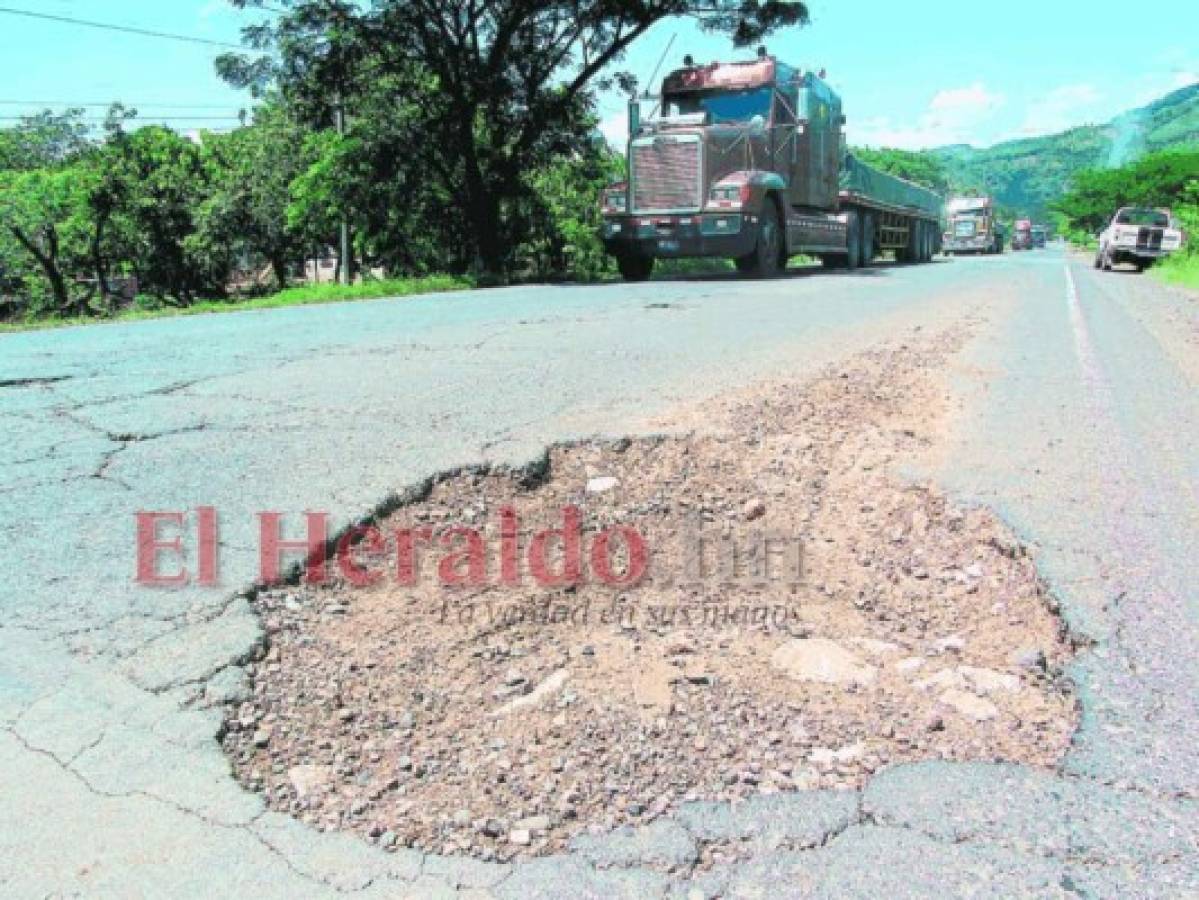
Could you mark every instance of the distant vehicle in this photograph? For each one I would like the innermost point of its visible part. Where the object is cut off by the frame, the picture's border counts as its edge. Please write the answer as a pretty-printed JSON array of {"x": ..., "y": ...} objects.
[
  {"x": 1138, "y": 235},
  {"x": 745, "y": 161},
  {"x": 971, "y": 226},
  {"x": 1039, "y": 235},
  {"x": 1022, "y": 236}
]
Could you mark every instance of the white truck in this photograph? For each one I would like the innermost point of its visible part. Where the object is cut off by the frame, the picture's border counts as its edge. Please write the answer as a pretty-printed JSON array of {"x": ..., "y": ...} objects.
[{"x": 1137, "y": 235}]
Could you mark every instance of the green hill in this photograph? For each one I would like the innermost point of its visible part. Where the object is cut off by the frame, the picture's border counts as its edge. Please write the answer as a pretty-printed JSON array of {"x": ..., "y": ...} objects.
[{"x": 1024, "y": 175}]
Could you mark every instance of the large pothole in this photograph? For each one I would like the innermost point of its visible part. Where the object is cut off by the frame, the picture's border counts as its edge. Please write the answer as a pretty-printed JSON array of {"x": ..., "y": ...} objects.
[{"x": 502, "y": 719}]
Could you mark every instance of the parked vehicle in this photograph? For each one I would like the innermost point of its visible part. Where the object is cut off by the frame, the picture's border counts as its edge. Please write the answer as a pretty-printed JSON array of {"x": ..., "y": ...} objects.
[
  {"x": 971, "y": 226},
  {"x": 745, "y": 161},
  {"x": 1039, "y": 235},
  {"x": 1138, "y": 235},
  {"x": 1022, "y": 235}
]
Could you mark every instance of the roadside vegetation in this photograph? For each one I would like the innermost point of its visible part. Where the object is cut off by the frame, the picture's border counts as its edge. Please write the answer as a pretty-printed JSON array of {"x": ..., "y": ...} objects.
[
  {"x": 471, "y": 151},
  {"x": 145, "y": 307}
]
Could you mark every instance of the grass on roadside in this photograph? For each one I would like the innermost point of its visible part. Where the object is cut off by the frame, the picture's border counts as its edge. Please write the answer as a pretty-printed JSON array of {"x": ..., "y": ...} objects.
[
  {"x": 1180, "y": 269},
  {"x": 303, "y": 295}
]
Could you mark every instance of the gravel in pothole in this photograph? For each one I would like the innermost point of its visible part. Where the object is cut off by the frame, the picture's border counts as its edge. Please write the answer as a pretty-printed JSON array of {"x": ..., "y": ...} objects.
[{"x": 502, "y": 720}]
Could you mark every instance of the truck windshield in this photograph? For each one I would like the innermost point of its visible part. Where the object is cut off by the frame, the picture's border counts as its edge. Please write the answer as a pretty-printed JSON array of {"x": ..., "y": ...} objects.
[
  {"x": 1150, "y": 217},
  {"x": 725, "y": 106}
]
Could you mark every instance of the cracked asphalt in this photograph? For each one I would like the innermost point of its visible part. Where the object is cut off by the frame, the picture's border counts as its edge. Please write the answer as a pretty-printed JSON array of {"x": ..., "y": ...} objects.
[{"x": 1077, "y": 419}]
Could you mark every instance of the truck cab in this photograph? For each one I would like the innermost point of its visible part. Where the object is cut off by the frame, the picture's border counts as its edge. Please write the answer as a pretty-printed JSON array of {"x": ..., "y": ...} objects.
[
  {"x": 1022, "y": 235},
  {"x": 1138, "y": 235},
  {"x": 971, "y": 226},
  {"x": 745, "y": 161}
]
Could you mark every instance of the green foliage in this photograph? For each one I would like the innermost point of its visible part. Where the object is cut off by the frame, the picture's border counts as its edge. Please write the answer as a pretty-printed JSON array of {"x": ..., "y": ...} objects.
[
  {"x": 1181, "y": 269},
  {"x": 453, "y": 103},
  {"x": 920, "y": 166},
  {"x": 44, "y": 228},
  {"x": 149, "y": 307},
  {"x": 564, "y": 229},
  {"x": 41, "y": 141},
  {"x": 1164, "y": 179}
]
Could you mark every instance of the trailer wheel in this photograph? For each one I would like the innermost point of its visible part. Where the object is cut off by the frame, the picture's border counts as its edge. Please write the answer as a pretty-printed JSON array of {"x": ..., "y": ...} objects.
[
  {"x": 853, "y": 241},
  {"x": 867, "y": 239},
  {"x": 911, "y": 252},
  {"x": 768, "y": 253},
  {"x": 635, "y": 268}
]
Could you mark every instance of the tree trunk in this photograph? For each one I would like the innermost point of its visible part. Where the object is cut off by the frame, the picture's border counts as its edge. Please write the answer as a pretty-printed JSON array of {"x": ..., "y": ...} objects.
[
  {"x": 98, "y": 262},
  {"x": 48, "y": 260},
  {"x": 279, "y": 267},
  {"x": 483, "y": 209}
]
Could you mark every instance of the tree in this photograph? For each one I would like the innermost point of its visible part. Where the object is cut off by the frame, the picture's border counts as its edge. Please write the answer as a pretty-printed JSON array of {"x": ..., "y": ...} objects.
[
  {"x": 163, "y": 180},
  {"x": 495, "y": 89},
  {"x": 44, "y": 140},
  {"x": 1159, "y": 179},
  {"x": 45, "y": 213},
  {"x": 251, "y": 171}
]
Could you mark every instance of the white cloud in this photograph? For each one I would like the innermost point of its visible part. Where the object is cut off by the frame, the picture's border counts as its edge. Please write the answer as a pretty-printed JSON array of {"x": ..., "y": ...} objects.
[
  {"x": 1184, "y": 78},
  {"x": 615, "y": 129},
  {"x": 953, "y": 116},
  {"x": 1063, "y": 107},
  {"x": 966, "y": 100}
]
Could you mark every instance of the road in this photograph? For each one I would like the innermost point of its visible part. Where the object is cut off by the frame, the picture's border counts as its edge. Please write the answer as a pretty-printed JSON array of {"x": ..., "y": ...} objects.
[{"x": 1076, "y": 418}]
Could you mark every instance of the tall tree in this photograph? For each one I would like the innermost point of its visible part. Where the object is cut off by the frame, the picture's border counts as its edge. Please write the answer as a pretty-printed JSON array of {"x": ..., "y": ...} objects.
[
  {"x": 252, "y": 170},
  {"x": 497, "y": 86},
  {"x": 45, "y": 212}
]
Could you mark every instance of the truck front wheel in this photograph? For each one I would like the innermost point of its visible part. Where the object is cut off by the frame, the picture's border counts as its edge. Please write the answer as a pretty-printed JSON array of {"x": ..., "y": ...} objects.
[
  {"x": 767, "y": 255},
  {"x": 635, "y": 268}
]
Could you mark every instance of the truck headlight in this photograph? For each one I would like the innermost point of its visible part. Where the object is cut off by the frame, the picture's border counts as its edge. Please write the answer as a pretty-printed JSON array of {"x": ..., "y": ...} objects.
[{"x": 616, "y": 200}]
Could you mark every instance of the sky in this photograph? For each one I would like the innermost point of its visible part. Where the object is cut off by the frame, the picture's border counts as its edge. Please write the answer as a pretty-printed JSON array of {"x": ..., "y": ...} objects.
[{"x": 912, "y": 74}]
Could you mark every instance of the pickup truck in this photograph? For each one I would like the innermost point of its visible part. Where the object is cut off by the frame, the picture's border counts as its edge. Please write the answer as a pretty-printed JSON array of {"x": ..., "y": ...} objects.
[{"x": 1137, "y": 235}]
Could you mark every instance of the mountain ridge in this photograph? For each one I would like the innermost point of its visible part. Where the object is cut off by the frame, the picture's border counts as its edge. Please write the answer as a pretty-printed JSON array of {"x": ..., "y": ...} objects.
[{"x": 1026, "y": 174}]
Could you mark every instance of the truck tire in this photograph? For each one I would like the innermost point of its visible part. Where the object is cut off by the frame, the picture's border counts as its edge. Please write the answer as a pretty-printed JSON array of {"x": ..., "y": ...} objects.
[
  {"x": 911, "y": 253},
  {"x": 764, "y": 261},
  {"x": 867, "y": 225},
  {"x": 853, "y": 241},
  {"x": 635, "y": 268}
]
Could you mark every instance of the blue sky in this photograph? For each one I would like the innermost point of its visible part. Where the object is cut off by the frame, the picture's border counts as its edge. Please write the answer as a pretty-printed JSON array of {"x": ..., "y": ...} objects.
[{"x": 911, "y": 74}]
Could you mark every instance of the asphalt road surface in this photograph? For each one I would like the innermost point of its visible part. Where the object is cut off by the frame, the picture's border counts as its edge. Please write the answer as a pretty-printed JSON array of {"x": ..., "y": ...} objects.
[{"x": 1077, "y": 419}]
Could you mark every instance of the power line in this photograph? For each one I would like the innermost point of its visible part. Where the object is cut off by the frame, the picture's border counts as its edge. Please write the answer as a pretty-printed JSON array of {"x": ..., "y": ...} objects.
[
  {"x": 126, "y": 29},
  {"x": 146, "y": 119},
  {"x": 71, "y": 104}
]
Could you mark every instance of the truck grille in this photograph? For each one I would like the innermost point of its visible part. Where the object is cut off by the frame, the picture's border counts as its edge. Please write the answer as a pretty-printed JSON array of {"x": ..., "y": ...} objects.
[
  {"x": 1149, "y": 239},
  {"x": 666, "y": 174}
]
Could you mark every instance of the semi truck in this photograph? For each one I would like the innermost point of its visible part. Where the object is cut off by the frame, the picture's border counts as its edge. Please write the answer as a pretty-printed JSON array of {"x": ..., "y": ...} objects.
[
  {"x": 1022, "y": 235},
  {"x": 971, "y": 226},
  {"x": 746, "y": 161}
]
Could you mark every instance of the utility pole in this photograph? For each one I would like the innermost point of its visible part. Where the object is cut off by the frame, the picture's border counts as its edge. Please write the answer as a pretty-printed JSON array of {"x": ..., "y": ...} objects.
[{"x": 344, "y": 266}]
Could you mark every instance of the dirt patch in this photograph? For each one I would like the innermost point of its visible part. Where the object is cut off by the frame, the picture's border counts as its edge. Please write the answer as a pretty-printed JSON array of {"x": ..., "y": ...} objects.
[{"x": 501, "y": 720}]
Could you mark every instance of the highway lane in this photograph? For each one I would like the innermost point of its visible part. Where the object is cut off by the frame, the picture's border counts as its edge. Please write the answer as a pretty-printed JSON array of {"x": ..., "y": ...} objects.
[{"x": 1076, "y": 418}]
